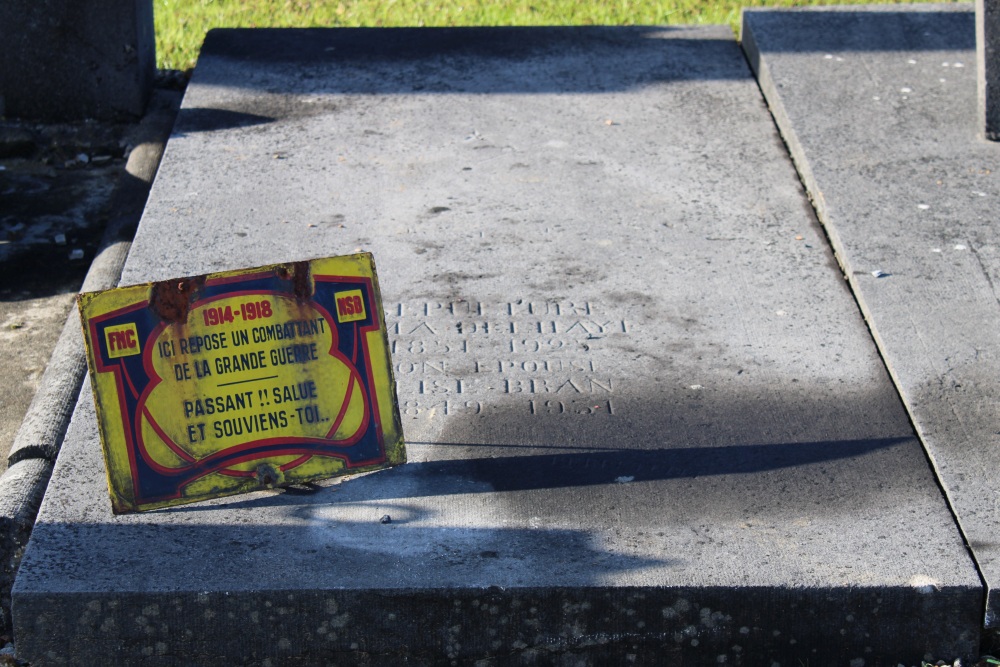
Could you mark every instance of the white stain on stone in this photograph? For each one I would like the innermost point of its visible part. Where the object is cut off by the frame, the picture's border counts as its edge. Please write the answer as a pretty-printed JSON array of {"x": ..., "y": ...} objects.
[{"x": 925, "y": 584}]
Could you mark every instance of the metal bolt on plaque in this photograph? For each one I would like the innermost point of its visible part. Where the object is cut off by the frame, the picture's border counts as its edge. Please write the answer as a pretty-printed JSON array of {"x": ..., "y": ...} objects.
[{"x": 231, "y": 382}]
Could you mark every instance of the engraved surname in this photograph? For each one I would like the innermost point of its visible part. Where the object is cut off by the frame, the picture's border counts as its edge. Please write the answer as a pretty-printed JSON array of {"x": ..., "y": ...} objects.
[
  {"x": 549, "y": 308},
  {"x": 451, "y": 308},
  {"x": 441, "y": 386},
  {"x": 580, "y": 327},
  {"x": 409, "y": 329},
  {"x": 569, "y": 385},
  {"x": 473, "y": 327}
]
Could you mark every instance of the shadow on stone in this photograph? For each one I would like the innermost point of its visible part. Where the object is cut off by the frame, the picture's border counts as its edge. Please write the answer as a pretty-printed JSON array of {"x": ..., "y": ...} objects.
[
  {"x": 843, "y": 31},
  {"x": 504, "y": 60},
  {"x": 210, "y": 120}
]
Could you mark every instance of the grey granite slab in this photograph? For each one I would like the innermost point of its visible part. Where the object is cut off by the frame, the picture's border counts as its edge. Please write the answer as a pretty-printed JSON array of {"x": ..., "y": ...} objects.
[
  {"x": 645, "y": 420},
  {"x": 878, "y": 107}
]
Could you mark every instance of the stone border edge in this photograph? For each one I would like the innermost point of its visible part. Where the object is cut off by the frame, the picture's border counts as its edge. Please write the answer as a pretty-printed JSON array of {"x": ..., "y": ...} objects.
[{"x": 38, "y": 440}]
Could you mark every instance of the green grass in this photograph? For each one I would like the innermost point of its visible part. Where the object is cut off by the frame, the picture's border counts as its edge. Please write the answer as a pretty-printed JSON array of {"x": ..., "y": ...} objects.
[{"x": 181, "y": 24}]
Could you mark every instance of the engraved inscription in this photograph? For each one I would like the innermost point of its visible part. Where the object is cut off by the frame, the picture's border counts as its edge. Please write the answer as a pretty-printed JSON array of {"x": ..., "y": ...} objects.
[
  {"x": 451, "y": 356},
  {"x": 560, "y": 407},
  {"x": 445, "y": 407}
]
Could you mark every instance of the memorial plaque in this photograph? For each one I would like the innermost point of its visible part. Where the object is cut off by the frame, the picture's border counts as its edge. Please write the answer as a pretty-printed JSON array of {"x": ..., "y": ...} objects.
[{"x": 232, "y": 382}]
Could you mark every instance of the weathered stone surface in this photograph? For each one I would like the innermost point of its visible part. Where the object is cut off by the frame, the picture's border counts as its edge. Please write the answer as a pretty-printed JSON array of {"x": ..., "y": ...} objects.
[
  {"x": 877, "y": 105},
  {"x": 67, "y": 60},
  {"x": 644, "y": 416}
]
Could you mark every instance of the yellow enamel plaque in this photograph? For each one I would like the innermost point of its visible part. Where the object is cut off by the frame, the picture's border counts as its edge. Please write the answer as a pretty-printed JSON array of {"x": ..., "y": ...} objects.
[{"x": 237, "y": 381}]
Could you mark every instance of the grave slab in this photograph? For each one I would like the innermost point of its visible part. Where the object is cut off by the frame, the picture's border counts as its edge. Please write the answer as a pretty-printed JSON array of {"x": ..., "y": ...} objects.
[
  {"x": 878, "y": 108},
  {"x": 645, "y": 420}
]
